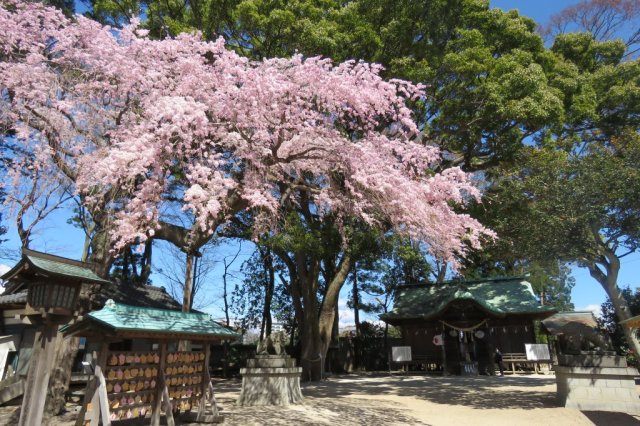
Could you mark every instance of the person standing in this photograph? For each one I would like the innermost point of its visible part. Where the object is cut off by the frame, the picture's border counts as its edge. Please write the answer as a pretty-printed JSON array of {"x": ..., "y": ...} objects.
[{"x": 497, "y": 358}]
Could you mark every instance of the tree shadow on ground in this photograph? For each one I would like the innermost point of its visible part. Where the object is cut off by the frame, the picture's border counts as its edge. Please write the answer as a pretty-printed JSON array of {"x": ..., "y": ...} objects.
[
  {"x": 483, "y": 392},
  {"x": 605, "y": 418},
  {"x": 317, "y": 411}
]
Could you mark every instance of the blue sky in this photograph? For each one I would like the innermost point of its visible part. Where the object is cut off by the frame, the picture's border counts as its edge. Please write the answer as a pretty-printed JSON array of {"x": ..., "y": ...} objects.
[{"x": 57, "y": 237}]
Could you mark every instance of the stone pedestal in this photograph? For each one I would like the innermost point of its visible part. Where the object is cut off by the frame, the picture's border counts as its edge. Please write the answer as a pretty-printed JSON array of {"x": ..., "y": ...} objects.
[
  {"x": 270, "y": 380},
  {"x": 593, "y": 382}
]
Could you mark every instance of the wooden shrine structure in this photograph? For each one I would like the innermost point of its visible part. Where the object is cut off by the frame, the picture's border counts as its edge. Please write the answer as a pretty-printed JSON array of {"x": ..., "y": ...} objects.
[
  {"x": 143, "y": 384},
  {"x": 456, "y": 326},
  {"x": 17, "y": 328},
  {"x": 51, "y": 287}
]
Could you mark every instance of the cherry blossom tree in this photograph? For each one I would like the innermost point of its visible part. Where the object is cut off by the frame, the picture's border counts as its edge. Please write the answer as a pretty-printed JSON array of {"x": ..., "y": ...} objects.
[{"x": 142, "y": 127}]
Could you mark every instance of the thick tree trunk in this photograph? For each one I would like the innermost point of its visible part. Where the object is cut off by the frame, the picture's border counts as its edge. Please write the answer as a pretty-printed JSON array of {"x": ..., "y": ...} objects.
[
  {"x": 101, "y": 255},
  {"x": 605, "y": 271},
  {"x": 312, "y": 349},
  {"x": 66, "y": 350},
  {"x": 328, "y": 311}
]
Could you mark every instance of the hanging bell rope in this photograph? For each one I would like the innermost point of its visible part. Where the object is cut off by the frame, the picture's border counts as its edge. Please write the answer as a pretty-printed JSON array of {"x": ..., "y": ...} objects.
[{"x": 480, "y": 324}]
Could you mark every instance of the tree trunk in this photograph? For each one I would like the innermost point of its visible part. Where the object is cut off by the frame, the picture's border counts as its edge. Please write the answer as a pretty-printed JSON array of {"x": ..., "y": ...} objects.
[
  {"x": 312, "y": 348},
  {"x": 101, "y": 255},
  {"x": 608, "y": 279},
  {"x": 315, "y": 325},
  {"x": 186, "y": 300},
  {"x": 268, "y": 297},
  {"x": 356, "y": 319},
  {"x": 356, "y": 300},
  {"x": 225, "y": 297},
  {"x": 145, "y": 267},
  {"x": 66, "y": 350},
  {"x": 441, "y": 274}
]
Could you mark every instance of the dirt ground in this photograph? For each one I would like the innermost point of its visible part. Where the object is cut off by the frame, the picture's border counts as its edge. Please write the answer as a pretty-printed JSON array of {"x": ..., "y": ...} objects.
[{"x": 405, "y": 400}]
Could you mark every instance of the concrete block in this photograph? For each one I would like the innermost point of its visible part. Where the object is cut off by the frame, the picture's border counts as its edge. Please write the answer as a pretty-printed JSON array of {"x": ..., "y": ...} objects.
[
  {"x": 624, "y": 394},
  {"x": 574, "y": 393},
  {"x": 594, "y": 393},
  {"x": 578, "y": 381},
  {"x": 265, "y": 384},
  {"x": 628, "y": 384},
  {"x": 595, "y": 388}
]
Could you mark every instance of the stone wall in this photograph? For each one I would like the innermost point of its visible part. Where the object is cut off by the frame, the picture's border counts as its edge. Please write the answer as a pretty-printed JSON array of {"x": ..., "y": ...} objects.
[{"x": 598, "y": 388}]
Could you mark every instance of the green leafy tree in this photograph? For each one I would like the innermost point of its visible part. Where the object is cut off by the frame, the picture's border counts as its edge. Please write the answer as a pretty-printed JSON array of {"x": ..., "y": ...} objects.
[
  {"x": 608, "y": 321},
  {"x": 262, "y": 295},
  {"x": 552, "y": 283},
  {"x": 583, "y": 208}
]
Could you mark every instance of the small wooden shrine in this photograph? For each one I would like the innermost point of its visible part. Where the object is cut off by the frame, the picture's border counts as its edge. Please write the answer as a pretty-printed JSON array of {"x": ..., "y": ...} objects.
[
  {"x": 456, "y": 326},
  {"x": 52, "y": 288},
  {"x": 135, "y": 384}
]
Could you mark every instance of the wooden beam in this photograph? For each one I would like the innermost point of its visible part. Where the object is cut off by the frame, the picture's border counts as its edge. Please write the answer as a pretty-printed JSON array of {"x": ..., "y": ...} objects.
[
  {"x": 157, "y": 407},
  {"x": 102, "y": 397},
  {"x": 90, "y": 390},
  {"x": 168, "y": 408}
]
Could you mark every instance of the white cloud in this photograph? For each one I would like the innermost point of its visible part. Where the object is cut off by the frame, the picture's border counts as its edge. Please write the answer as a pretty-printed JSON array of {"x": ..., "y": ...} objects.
[
  {"x": 596, "y": 309},
  {"x": 345, "y": 314}
]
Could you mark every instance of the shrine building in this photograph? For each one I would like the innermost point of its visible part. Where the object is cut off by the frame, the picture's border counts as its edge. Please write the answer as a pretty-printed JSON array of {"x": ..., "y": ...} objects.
[{"x": 455, "y": 327}]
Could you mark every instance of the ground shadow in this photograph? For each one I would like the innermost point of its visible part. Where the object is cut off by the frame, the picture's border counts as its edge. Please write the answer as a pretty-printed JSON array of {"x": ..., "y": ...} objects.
[
  {"x": 360, "y": 412},
  {"x": 476, "y": 392},
  {"x": 605, "y": 418}
]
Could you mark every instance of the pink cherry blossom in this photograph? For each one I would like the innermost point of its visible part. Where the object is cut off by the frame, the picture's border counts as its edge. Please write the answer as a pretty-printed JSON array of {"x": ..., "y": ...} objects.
[{"x": 183, "y": 120}]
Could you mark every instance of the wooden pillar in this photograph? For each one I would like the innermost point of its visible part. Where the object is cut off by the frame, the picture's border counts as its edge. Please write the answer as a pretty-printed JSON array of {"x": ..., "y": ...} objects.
[
  {"x": 37, "y": 384},
  {"x": 168, "y": 408},
  {"x": 102, "y": 398},
  {"x": 99, "y": 394},
  {"x": 203, "y": 386},
  {"x": 157, "y": 403},
  {"x": 444, "y": 351}
]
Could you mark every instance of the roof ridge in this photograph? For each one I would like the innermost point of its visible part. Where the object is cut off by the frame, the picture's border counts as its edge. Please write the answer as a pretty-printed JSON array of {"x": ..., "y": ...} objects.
[
  {"x": 463, "y": 281},
  {"x": 115, "y": 305},
  {"x": 55, "y": 258}
]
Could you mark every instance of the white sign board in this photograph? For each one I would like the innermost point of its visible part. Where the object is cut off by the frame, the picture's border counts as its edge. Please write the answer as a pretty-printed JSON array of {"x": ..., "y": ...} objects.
[
  {"x": 537, "y": 351},
  {"x": 401, "y": 353}
]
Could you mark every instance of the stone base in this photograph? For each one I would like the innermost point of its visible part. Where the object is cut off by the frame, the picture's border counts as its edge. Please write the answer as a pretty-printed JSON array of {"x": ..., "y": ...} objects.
[
  {"x": 270, "y": 380},
  {"x": 592, "y": 360},
  {"x": 598, "y": 388}
]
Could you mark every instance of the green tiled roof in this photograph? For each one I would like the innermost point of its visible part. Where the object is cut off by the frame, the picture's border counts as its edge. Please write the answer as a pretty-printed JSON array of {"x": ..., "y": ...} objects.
[
  {"x": 63, "y": 268},
  {"x": 121, "y": 318},
  {"x": 49, "y": 265},
  {"x": 499, "y": 297}
]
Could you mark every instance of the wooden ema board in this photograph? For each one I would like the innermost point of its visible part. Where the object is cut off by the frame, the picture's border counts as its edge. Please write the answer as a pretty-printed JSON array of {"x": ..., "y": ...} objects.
[{"x": 138, "y": 385}]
